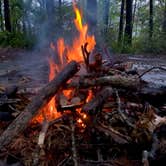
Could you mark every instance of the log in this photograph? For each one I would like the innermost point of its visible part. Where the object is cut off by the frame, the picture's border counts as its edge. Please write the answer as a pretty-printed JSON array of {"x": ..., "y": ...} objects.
[
  {"x": 117, "y": 81},
  {"x": 97, "y": 103},
  {"x": 148, "y": 92},
  {"x": 38, "y": 102}
]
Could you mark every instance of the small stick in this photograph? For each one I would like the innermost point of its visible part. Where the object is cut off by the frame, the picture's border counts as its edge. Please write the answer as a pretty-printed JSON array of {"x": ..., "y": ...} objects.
[
  {"x": 73, "y": 142},
  {"x": 147, "y": 71}
]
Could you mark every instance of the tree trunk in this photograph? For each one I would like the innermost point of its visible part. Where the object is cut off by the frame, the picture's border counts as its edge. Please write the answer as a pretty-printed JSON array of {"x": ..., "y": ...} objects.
[
  {"x": 1, "y": 17},
  {"x": 7, "y": 15},
  {"x": 106, "y": 14},
  {"x": 92, "y": 15},
  {"x": 150, "y": 19},
  {"x": 128, "y": 28},
  {"x": 134, "y": 12},
  {"x": 164, "y": 19},
  {"x": 50, "y": 17},
  {"x": 121, "y": 23},
  {"x": 60, "y": 13}
]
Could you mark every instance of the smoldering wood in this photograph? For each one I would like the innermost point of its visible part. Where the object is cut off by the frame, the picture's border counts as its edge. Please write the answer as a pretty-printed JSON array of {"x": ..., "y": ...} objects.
[
  {"x": 98, "y": 101},
  {"x": 38, "y": 102}
]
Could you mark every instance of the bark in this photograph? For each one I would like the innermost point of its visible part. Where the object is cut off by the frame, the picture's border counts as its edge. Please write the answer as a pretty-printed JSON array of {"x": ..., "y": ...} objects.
[
  {"x": 38, "y": 102},
  {"x": 121, "y": 22},
  {"x": 128, "y": 28},
  {"x": 151, "y": 19},
  {"x": 7, "y": 15}
]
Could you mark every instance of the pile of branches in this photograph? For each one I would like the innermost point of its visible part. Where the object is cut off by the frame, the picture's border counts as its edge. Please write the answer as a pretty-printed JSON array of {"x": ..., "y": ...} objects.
[{"x": 117, "y": 125}]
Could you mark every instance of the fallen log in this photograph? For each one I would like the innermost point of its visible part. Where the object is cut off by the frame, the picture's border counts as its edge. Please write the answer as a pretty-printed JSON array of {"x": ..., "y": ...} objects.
[
  {"x": 39, "y": 101},
  {"x": 97, "y": 103}
]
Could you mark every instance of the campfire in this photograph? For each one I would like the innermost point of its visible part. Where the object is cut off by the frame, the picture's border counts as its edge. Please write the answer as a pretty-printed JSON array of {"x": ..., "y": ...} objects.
[{"x": 93, "y": 111}]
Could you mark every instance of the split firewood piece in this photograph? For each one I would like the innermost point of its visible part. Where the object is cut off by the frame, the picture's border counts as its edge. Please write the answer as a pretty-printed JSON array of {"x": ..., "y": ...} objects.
[
  {"x": 117, "y": 81},
  {"x": 38, "y": 102},
  {"x": 97, "y": 103}
]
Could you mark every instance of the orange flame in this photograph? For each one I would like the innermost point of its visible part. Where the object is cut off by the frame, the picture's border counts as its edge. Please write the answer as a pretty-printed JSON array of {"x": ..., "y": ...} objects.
[
  {"x": 73, "y": 52},
  {"x": 90, "y": 95}
]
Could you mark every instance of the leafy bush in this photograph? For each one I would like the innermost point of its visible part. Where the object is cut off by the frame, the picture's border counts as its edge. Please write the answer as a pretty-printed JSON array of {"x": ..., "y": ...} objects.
[
  {"x": 156, "y": 45},
  {"x": 16, "y": 40}
]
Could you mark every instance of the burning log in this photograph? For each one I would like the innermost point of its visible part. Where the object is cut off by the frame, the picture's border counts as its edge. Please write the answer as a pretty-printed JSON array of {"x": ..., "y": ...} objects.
[
  {"x": 43, "y": 97},
  {"x": 98, "y": 101}
]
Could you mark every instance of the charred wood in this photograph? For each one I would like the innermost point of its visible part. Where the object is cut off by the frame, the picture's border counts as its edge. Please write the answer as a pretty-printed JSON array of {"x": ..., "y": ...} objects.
[{"x": 97, "y": 103}]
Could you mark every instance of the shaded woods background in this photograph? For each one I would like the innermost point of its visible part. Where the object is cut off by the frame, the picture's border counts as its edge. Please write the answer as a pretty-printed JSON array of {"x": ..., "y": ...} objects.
[{"x": 134, "y": 26}]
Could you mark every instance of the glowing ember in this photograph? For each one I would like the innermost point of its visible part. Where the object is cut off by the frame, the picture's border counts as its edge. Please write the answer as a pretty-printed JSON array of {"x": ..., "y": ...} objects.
[
  {"x": 90, "y": 95},
  {"x": 66, "y": 54},
  {"x": 79, "y": 121}
]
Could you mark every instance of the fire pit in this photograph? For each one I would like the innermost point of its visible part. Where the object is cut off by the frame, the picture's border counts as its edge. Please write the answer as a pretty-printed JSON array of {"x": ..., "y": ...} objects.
[{"x": 92, "y": 112}]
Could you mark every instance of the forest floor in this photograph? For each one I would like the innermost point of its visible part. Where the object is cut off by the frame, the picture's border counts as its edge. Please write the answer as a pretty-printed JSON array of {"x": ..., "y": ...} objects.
[{"x": 30, "y": 69}]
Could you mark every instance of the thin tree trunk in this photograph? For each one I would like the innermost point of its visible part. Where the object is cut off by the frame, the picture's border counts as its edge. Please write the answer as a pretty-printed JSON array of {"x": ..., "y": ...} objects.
[
  {"x": 134, "y": 12},
  {"x": 50, "y": 17},
  {"x": 1, "y": 17},
  {"x": 151, "y": 19},
  {"x": 60, "y": 13},
  {"x": 92, "y": 15},
  {"x": 106, "y": 14},
  {"x": 121, "y": 22},
  {"x": 7, "y": 15},
  {"x": 164, "y": 19},
  {"x": 128, "y": 28}
]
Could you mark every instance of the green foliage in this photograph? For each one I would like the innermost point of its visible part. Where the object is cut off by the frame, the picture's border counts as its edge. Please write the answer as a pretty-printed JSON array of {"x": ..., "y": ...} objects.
[
  {"x": 16, "y": 40},
  {"x": 156, "y": 45}
]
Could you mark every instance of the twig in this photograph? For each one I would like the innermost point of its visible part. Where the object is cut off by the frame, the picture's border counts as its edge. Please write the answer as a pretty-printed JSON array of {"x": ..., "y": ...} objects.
[
  {"x": 71, "y": 106},
  {"x": 147, "y": 71},
  {"x": 74, "y": 155},
  {"x": 85, "y": 54},
  {"x": 99, "y": 162},
  {"x": 123, "y": 116},
  {"x": 64, "y": 161},
  {"x": 116, "y": 135}
]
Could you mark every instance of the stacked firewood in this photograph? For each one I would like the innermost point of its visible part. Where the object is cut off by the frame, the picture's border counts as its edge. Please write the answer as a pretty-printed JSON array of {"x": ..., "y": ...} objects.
[{"x": 117, "y": 125}]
